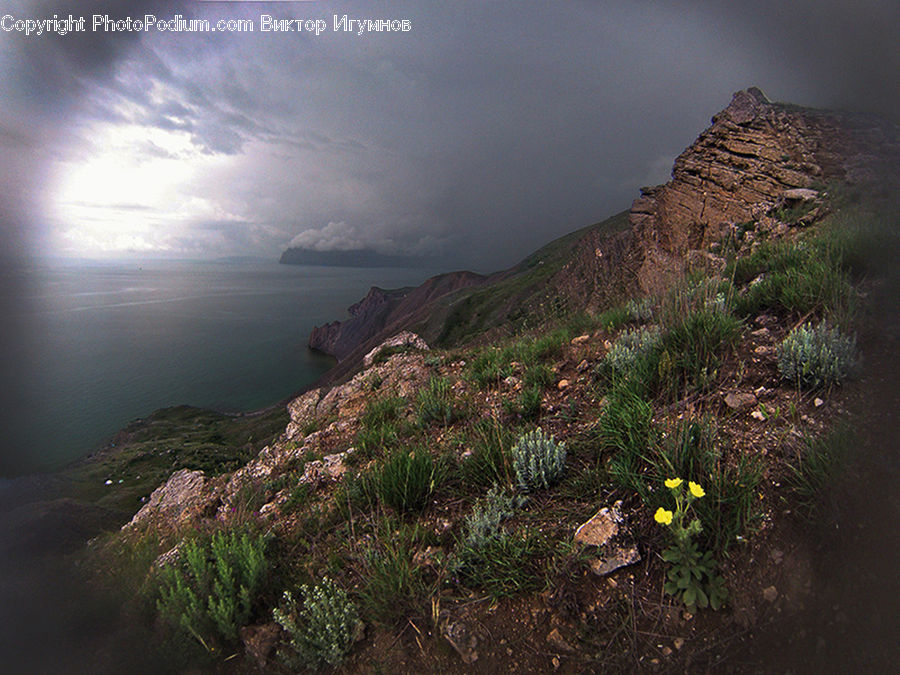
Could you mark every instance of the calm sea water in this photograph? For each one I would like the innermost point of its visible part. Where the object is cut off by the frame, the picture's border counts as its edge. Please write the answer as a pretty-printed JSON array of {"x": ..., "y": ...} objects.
[{"x": 91, "y": 346}]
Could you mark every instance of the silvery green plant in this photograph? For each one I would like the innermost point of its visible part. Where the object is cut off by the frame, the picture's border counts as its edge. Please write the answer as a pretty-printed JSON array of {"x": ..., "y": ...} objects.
[
  {"x": 640, "y": 310},
  {"x": 814, "y": 357},
  {"x": 483, "y": 523},
  {"x": 630, "y": 346},
  {"x": 538, "y": 460},
  {"x": 322, "y": 627}
]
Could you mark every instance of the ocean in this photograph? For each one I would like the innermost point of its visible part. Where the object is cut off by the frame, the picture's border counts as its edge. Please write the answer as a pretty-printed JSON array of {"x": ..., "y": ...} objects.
[{"x": 90, "y": 346}]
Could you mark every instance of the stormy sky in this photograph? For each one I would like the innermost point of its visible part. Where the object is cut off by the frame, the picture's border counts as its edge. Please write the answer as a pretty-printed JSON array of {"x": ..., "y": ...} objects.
[{"x": 483, "y": 132}]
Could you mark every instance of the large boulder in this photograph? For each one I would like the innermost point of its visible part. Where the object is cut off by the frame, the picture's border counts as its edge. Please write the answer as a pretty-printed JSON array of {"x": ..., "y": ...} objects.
[{"x": 183, "y": 498}]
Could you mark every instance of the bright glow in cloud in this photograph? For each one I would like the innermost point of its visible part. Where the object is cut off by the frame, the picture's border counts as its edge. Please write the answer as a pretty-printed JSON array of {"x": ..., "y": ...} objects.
[{"x": 129, "y": 193}]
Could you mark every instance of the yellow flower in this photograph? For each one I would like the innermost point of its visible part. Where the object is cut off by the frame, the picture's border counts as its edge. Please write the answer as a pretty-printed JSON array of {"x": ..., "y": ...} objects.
[
  {"x": 662, "y": 516},
  {"x": 673, "y": 482},
  {"x": 695, "y": 489}
]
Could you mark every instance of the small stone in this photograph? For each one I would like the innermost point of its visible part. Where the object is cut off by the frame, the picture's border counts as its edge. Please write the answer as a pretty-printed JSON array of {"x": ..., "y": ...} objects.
[
  {"x": 757, "y": 415},
  {"x": 800, "y": 194},
  {"x": 108, "y": 482},
  {"x": 818, "y": 402},
  {"x": 608, "y": 532},
  {"x": 737, "y": 400},
  {"x": 555, "y": 662},
  {"x": 760, "y": 332},
  {"x": 462, "y": 640},
  {"x": 581, "y": 339},
  {"x": 555, "y": 639},
  {"x": 678, "y": 643},
  {"x": 770, "y": 594},
  {"x": 763, "y": 349},
  {"x": 563, "y": 384},
  {"x": 667, "y": 651}
]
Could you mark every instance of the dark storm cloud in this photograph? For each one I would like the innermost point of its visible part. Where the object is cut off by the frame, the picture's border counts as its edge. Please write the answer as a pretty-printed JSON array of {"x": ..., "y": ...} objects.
[{"x": 487, "y": 130}]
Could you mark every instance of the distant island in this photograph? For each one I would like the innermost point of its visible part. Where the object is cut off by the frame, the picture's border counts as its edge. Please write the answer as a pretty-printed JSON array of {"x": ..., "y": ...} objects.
[{"x": 352, "y": 258}]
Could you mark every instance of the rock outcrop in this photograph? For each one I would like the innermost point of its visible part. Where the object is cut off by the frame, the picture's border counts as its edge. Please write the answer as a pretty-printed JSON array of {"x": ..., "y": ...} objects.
[
  {"x": 183, "y": 498},
  {"x": 755, "y": 155}
]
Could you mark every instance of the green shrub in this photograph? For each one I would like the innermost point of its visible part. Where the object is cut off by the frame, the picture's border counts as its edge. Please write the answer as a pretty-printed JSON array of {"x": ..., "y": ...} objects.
[
  {"x": 817, "y": 356},
  {"x": 810, "y": 275},
  {"x": 693, "y": 343},
  {"x": 486, "y": 369},
  {"x": 731, "y": 506},
  {"x": 530, "y": 403},
  {"x": 538, "y": 460},
  {"x": 356, "y": 493},
  {"x": 483, "y": 523},
  {"x": 407, "y": 479},
  {"x": 392, "y": 585},
  {"x": 693, "y": 450},
  {"x": 210, "y": 591},
  {"x": 813, "y": 473},
  {"x": 382, "y": 411},
  {"x": 615, "y": 317},
  {"x": 380, "y": 427},
  {"x": 321, "y": 628},
  {"x": 488, "y": 463},
  {"x": 436, "y": 403},
  {"x": 625, "y": 425},
  {"x": 538, "y": 376},
  {"x": 632, "y": 355},
  {"x": 503, "y": 564},
  {"x": 640, "y": 310}
]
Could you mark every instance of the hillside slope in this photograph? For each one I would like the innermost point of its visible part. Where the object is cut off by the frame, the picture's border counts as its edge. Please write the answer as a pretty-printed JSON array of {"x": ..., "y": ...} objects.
[
  {"x": 752, "y": 160},
  {"x": 586, "y": 477}
]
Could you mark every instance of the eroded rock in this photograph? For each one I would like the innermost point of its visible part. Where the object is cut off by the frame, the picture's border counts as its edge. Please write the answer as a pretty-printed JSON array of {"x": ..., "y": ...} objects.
[
  {"x": 180, "y": 499},
  {"x": 738, "y": 400},
  {"x": 608, "y": 532}
]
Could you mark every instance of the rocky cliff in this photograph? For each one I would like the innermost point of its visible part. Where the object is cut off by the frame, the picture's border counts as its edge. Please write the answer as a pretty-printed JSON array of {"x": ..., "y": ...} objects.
[
  {"x": 382, "y": 313},
  {"x": 759, "y": 161},
  {"x": 753, "y": 157}
]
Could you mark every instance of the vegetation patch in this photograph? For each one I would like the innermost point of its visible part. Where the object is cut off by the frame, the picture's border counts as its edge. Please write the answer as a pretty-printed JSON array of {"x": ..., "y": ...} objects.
[
  {"x": 321, "y": 626},
  {"x": 814, "y": 357},
  {"x": 210, "y": 592}
]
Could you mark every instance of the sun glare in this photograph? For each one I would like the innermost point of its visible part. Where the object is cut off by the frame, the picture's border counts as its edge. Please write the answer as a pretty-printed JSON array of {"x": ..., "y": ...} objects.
[{"x": 131, "y": 191}]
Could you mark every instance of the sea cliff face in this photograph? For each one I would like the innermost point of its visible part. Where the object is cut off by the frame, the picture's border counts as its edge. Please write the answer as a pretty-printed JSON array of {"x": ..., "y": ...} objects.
[{"x": 382, "y": 313}]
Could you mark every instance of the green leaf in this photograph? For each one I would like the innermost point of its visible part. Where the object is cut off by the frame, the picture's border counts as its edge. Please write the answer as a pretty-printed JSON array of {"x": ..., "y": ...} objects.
[
  {"x": 702, "y": 600},
  {"x": 690, "y": 596}
]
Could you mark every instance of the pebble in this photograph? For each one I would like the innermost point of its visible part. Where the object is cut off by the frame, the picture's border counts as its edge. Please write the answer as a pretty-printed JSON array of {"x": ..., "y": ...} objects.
[
  {"x": 770, "y": 594},
  {"x": 757, "y": 415},
  {"x": 563, "y": 384},
  {"x": 818, "y": 402},
  {"x": 678, "y": 643}
]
